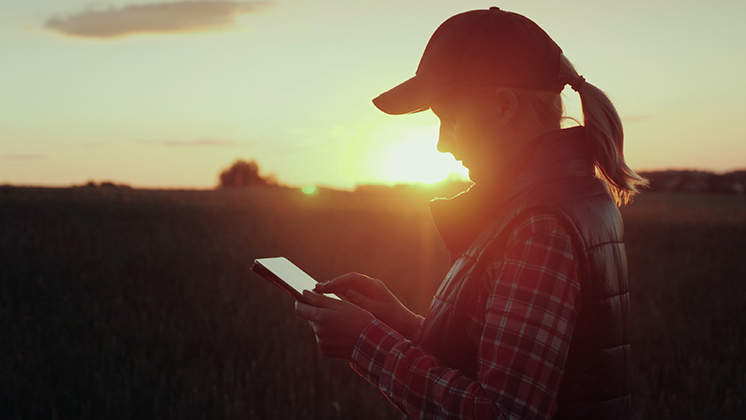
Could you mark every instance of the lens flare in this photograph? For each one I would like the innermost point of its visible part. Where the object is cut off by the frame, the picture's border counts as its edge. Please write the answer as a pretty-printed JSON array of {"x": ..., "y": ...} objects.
[{"x": 309, "y": 190}]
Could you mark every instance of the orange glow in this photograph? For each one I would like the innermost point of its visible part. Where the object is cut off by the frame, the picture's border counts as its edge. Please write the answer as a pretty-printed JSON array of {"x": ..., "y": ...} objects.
[{"x": 418, "y": 160}]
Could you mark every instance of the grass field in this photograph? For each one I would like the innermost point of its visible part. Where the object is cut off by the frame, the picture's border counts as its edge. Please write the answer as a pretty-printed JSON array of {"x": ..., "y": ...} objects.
[{"x": 121, "y": 304}]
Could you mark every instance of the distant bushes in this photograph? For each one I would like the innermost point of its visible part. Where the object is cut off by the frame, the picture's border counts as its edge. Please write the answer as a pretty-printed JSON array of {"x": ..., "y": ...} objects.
[
  {"x": 244, "y": 174},
  {"x": 697, "y": 181},
  {"x": 106, "y": 185}
]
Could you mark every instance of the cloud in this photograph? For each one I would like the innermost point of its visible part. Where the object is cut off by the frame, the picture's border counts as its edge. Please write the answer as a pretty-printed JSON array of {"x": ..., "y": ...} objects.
[
  {"x": 24, "y": 156},
  {"x": 194, "y": 143},
  {"x": 171, "y": 17}
]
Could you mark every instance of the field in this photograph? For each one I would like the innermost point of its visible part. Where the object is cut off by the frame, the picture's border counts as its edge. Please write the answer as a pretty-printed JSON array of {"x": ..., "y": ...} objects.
[{"x": 121, "y": 304}]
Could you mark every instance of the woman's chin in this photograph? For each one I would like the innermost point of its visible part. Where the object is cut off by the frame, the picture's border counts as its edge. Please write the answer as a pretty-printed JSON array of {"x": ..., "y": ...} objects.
[
  {"x": 475, "y": 175},
  {"x": 484, "y": 177}
]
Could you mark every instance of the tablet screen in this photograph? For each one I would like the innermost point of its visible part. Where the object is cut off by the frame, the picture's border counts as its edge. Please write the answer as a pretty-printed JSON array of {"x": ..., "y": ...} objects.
[{"x": 286, "y": 275}]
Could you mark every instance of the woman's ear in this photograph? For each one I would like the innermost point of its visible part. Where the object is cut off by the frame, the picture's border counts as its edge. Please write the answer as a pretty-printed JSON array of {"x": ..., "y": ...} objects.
[{"x": 506, "y": 105}]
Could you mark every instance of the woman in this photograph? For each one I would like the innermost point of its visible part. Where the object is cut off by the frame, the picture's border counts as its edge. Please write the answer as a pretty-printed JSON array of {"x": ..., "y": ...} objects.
[{"x": 531, "y": 321}]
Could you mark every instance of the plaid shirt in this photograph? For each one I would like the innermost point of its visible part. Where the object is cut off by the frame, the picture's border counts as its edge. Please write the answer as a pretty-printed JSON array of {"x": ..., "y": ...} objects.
[{"x": 524, "y": 337}]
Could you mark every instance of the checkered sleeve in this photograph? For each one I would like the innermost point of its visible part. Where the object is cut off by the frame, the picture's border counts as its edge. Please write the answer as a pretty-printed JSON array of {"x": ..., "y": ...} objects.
[{"x": 529, "y": 317}]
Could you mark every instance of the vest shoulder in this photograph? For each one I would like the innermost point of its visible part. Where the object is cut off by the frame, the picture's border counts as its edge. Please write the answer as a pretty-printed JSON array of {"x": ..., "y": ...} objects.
[{"x": 584, "y": 205}]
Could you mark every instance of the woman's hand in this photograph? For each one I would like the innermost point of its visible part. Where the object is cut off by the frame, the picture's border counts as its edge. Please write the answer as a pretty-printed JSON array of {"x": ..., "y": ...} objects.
[
  {"x": 336, "y": 323},
  {"x": 373, "y": 296}
]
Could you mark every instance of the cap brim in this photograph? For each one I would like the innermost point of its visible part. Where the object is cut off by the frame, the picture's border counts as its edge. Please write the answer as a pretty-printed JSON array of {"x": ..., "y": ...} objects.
[{"x": 414, "y": 95}]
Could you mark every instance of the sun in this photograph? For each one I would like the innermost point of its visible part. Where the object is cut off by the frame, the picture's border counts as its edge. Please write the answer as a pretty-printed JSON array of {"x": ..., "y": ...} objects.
[
  {"x": 400, "y": 150},
  {"x": 416, "y": 159}
]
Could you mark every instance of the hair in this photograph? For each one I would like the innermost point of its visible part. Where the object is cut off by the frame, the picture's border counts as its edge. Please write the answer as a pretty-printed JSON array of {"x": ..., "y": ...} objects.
[
  {"x": 544, "y": 105},
  {"x": 603, "y": 126}
]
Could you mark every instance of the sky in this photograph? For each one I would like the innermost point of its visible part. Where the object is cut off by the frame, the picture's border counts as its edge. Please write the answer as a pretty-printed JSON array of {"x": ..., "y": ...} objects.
[{"x": 166, "y": 94}]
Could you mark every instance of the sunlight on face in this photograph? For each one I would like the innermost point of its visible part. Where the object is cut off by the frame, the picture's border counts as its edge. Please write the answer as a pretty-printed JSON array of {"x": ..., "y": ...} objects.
[{"x": 416, "y": 159}]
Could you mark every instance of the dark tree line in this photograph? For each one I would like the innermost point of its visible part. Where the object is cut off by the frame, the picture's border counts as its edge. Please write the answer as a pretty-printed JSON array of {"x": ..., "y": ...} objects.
[{"x": 697, "y": 181}]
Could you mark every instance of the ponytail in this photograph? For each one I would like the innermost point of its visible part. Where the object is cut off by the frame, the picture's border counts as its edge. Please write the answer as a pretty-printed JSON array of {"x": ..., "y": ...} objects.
[{"x": 605, "y": 130}]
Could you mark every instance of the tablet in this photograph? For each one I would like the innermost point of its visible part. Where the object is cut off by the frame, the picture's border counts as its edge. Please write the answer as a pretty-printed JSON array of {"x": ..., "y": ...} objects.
[{"x": 286, "y": 275}]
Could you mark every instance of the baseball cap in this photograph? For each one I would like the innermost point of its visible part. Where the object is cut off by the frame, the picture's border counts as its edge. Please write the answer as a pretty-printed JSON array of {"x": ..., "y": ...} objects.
[{"x": 478, "y": 49}]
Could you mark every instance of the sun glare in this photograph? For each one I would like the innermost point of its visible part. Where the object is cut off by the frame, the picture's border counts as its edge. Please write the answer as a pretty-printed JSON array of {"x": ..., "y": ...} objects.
[{"x": 417, "y": 159}]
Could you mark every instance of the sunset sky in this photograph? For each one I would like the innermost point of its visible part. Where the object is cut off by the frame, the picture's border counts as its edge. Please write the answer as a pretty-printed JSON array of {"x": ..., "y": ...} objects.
[{"x": 166, "y": 94}]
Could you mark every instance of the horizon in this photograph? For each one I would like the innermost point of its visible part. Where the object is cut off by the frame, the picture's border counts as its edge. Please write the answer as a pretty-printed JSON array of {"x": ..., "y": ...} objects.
[{"x": 312, "y": 189}]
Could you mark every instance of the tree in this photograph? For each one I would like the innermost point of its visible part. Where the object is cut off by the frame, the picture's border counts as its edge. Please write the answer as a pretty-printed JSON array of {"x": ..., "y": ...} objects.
[{"x": 245, "y": 174}]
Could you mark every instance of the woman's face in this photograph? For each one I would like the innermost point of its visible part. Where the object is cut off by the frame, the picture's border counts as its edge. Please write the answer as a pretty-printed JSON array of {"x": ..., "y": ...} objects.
[{"x": 471, "y": 130}]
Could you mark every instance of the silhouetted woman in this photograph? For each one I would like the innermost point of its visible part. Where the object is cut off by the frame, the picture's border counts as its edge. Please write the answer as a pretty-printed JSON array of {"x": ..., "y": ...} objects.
[{"x": 531, "y": 321}]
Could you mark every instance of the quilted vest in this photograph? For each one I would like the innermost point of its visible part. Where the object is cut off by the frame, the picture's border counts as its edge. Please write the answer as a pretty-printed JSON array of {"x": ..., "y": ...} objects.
[{"x": 559, "y": 179}]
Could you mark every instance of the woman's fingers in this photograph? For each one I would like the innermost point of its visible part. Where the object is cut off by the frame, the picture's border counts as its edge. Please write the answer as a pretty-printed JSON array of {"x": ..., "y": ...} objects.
[
  {"x": 364, "y": 293},
  {"x": 317, "y": 305},
  {"x": 356, "y": 289},
  {"x": 319, "y": 300},
  {"x": 336, "y": 324},
  {"x": 353, "y": 281},
  {"x": 307, "y": 312},
  {"x": 338, "y": 285}
]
